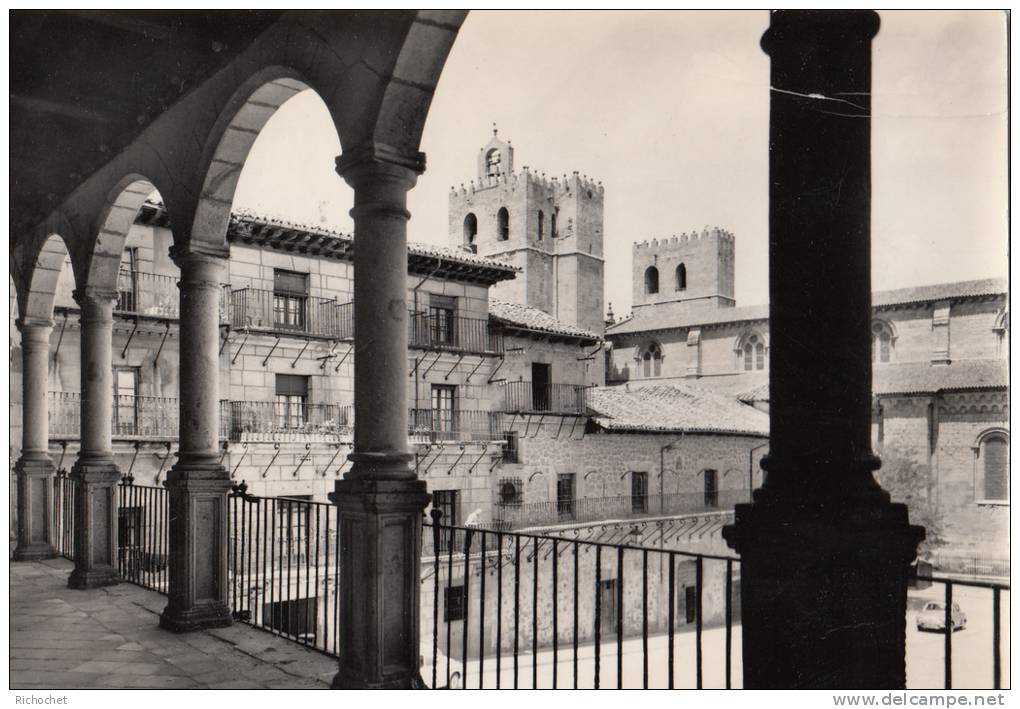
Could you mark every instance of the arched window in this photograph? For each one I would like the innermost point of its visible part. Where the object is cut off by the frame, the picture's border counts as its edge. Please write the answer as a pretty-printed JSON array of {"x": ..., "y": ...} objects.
[
  {"x": 993, "y": 461},
  {"x": 470, "y": 232},
  {"x": 541, "y": 224},
  {"x": 751, "y": 352},
  {"x": 681, "y": 277},
  {"x": 552, "y": 225},
  {"x": 1001, "y": 330},
  {"x": 652, "y": 280},
  {"x": 503, "y": 224},
  {"x": 881, "y": 341},
  {"x": 493, "y": 160},
  {"x": 651, "y": 360}
]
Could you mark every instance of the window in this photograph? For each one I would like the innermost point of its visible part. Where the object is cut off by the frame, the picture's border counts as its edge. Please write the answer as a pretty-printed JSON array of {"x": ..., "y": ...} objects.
[
  {"x": 503, "y": 224},
  {"x": 511, "y": 492},
  {"x": 681, "y": 277},
  {"x": 291, "y": 401},
  {"x": 444, "y": 404},
  {"x": 751, "y": 351},
  {"x": 442, "y": 316},
  {"x": 993, "y": 457},
  {"x": 453, "y": 603},
  {"x": 651, "y": 360},
  {"x": 541, "y": 224},
  {"x": 125, "y": 401},
  {"x": 639, "y": 492},
  {"x": 552, "y": 223},
  {"x": 127, "y": 282},
  {"x": 881, "y": 341},
  {"x": 493, "y": 162},
  {"x": 291, "y": 525},
  {"x": 541, "y": 386},
  {"x": 290, "y": 299},
  {"x": 711, "y": 488},
  {"x": 447, "y": 502},
  {"x": 651, "y": 280},
  {"x": 470, "y": 232},
  {"x": 565, "y": 495},
  {"x": 510, "y": 452}
]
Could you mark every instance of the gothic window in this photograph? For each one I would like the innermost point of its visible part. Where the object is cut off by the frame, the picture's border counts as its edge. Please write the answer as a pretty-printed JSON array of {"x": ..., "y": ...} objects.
[
  {"x": 470, "y": 232},
  {"x": 651, "y": 360},
  {"x": 751, "y": 352},
  {"x": 541, "y": 224},
  {"x": 681, "y": 277},
  {"x": 1001, "y": 330},
  {"x": 552, "y": 223},
  {"x": 503, "y": 224},
  {"x": 492, "y": 163},
  {"x": 881, "y": 341},
  {"x": 993, "y": 462},
  {"x": 652, "y": 280}
]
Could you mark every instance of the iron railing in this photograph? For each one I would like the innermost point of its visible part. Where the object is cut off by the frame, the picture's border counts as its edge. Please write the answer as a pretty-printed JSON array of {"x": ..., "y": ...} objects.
[
  {"x": 594, "y": 509},
  {"x": 530, "y": 397},
  {"x": 548, "y": 612},
  {"x": 284, "y": 567},
  {"x": 270, "y": 420},
  {"x": 64, "y": 487},
  {"x": 258, "y": 309},
  {"x": 152, "y": 294},
  {"x": 949, "y": 563},
  {"x": 143, "y": 534},
  {"x": 453, "y": 332},
  {"x": 134, "y": 417},
  {"x": 438, "y": 425}
]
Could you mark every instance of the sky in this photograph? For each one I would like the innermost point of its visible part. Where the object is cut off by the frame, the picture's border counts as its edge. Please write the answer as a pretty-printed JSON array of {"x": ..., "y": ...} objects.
[{"x": 670, "y": 111}]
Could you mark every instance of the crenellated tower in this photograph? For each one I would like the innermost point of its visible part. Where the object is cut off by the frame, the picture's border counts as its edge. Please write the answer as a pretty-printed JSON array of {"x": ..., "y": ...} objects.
[
  {"x": 684, "y": 273},
  {"x": 549, "y": 227}
]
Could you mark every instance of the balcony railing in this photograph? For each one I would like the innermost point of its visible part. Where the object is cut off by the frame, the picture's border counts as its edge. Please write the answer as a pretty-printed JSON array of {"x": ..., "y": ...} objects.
[
  {"x": 257, "y": 309},
  {"x": 153, "y": 294},
  {"x": 270, "y": 420},
  {"x": 594, "y": 509},
  {"x": 134, "y": 417},
  {"x": 454, "y": 333},
  {"x": 530, "y": 397},
  {"x": 432, "y": 426},
  {"x": 504, "y": 609}
]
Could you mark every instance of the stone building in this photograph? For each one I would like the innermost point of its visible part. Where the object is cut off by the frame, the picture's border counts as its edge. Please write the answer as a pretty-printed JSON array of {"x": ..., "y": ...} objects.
[{"x": 939, "y": 363}]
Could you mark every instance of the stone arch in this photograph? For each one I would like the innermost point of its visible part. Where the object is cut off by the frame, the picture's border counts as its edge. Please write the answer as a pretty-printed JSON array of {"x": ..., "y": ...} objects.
[
  {"x": 115, "y": 221},
  {"x": 991, "y": 464},
  {"x": 651, "y": 280},
  {"x": 240, "y": 122},
  {"x": 36, "y": 296},
  {"x": 470, "y": 232}
]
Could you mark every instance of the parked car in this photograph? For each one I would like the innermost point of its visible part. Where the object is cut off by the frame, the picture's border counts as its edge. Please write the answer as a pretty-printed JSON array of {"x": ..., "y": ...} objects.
[
  {"x": 933, "y": 617},
  {"x": 455, "y": 668}
]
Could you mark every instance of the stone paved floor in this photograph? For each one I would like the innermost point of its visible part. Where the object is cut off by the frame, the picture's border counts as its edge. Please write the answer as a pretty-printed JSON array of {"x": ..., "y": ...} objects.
[{"x": 106, "y": 638}]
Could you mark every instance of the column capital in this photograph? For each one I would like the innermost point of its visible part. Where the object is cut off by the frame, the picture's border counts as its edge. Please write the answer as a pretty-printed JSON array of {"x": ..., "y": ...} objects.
[
  {"x": 799, "y": 28},
  {"x": 29, "y": 324},
  {"x": 197, "y": 254},
  {"x": 200, "y": 268},
  {"x": 90, "y": 295},
  {"x": 371, "y": 161}
]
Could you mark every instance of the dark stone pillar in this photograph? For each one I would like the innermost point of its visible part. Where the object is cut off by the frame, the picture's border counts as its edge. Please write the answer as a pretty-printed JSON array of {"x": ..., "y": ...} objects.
[
  {"x": 380, "y": 501},
  {"x": 35, "y": 468},
  {"x": 825, "y": 554},
  {"x": 94, "y": 474},
  {"x": 197, "y": 484}
]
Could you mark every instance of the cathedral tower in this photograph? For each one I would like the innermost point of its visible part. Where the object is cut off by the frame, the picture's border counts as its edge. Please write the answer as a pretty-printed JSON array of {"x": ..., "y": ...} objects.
[
  {"x": 685, "y": 273},
  {"x": 550, "y": 228}
]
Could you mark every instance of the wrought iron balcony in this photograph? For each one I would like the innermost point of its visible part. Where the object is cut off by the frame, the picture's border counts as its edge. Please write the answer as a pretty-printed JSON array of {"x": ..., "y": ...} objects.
[
  {"x": 257, "y": 309},
  {"x": 453, "y": 333},
  {"x": 151, "y": 294},
  {"x": 275, "y": 421},
  {"x": 532, "y": 397},
  {"x": 433, "y": 426},
  {"x": 133, "y": 417},
  {"x": 510, "y": 515}
]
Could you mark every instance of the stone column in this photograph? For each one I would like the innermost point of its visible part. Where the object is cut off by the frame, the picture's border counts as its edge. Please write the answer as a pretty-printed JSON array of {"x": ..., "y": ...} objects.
[
  {"x": 380, "y": 502},
  {"x": 35, "y": 468},
  {"x": 94, "y": 474},
  {"x": 825, "y": 555},
  {"x": 197, "y": 484}
]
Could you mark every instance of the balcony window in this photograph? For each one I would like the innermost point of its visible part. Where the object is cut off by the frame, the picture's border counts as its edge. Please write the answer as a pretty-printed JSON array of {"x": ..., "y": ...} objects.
[
  {"x": 442, "y": 315},
  {"x": 444, "y": 401},
  {"x": 291, "y": 401},
  {"x": 292, "y": 524},
  {"x": 639, "y": 492},
  {"x": 453, "y": 603},
  {"x": 125, "y": 391},
  {"x": 127, "y": 282},
  {"x": 447, "y": 502},
  {"x": 290, "y": 299},
  {"x": 711, "y": 488},
  {"x": 565, "y": 495},
  {"x": 510, "y": 453}
]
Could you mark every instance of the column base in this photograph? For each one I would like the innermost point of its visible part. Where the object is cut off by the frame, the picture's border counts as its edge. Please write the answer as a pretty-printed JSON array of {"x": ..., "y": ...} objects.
[
  {"x": 35, "y": 471},
  {"x": 95, "y": 518},
  {"x": 216, "y": 615},
  {"x": 380, "y": 526},
  {"x": 823, "y": 593}
]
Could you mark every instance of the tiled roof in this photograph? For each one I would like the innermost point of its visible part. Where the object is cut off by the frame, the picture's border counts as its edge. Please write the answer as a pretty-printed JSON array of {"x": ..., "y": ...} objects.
[
  {"x": 525, "y": 317},
  {"x": 921, "y": 378},
  {"x": 441, "y": 261},
  {"x": 647, "y": 320},
  {"x": 679, "y": 409}
]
